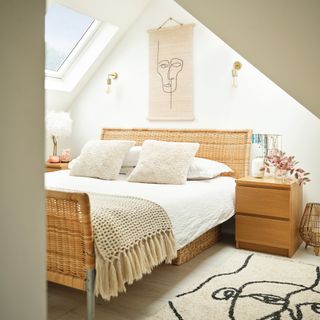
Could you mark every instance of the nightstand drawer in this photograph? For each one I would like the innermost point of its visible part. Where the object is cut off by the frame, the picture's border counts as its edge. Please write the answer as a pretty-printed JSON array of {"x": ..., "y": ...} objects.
[
  {"x": 263, "y": 231},
  {"x": 263, "y": 201}
]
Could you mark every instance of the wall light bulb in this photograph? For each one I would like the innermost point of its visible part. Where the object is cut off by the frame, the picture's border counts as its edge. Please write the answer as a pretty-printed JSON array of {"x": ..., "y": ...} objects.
[{"x": 235, "y": 81}]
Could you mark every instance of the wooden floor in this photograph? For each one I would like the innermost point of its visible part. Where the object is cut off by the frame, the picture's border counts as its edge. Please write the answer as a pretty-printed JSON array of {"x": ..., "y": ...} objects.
[{"x": 145, "y": 297}]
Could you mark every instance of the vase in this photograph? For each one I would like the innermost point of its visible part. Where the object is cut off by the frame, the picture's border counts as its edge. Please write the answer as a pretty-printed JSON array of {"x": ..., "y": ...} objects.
[{"x": 282, "y": 175}]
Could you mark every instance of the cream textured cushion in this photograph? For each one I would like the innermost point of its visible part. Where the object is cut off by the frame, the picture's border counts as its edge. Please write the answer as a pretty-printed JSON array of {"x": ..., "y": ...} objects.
[
  {"x": 101, "y": 159},
  {"x": 206, "y": 169},
  {"x": 164, "y": 162}
]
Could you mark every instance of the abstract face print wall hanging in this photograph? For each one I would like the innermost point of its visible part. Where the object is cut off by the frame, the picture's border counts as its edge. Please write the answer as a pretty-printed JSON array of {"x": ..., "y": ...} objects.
[
  {"x": 170, "y": 93},
  {"x": 169, "y": 71}
]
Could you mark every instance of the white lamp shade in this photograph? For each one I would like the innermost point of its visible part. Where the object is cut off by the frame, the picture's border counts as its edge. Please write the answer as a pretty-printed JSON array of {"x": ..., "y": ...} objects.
[{"x": 58, "y": 124}]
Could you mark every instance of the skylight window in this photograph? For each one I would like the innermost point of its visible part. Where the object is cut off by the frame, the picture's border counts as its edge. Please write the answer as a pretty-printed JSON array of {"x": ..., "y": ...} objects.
[{"x": 66, "y": 33}]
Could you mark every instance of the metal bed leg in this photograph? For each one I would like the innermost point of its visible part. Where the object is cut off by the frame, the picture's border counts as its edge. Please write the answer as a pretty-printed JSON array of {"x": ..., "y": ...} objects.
[{"x": 90, "y": 294}]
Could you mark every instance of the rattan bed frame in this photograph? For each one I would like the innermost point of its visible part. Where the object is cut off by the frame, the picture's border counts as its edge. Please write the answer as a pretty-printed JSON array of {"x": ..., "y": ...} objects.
[{"x": 70, "y": 248}]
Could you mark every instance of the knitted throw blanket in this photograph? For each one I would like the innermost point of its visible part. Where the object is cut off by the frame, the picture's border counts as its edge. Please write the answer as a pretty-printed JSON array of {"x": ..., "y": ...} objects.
[{"x": 132, "y": 235}]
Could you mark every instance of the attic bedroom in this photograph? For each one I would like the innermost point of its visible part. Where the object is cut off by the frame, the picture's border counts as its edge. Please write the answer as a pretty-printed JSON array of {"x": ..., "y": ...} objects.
[{"x": 163, "y": 159}]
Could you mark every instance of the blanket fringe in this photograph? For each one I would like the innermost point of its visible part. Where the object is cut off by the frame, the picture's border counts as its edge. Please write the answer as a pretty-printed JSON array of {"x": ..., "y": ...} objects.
[{"x": 111, "y": 276}]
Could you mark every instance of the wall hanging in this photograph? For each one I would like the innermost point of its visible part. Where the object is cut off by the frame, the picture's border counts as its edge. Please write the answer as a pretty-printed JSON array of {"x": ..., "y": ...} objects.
[{"x": 170, "y": 72}]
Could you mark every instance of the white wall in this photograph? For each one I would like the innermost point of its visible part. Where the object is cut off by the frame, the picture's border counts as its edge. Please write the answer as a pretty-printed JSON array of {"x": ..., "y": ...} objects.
[
  {"x": 22, "y": 226},
  {"x": 257, "y": 103}
]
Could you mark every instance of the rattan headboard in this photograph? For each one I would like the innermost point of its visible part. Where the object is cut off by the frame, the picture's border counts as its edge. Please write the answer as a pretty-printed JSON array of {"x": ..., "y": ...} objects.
[{"x": 231, "y": 147}]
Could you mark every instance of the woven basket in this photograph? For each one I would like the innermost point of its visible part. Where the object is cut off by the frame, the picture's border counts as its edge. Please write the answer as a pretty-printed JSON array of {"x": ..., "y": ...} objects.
[{"x": 310, "y": 226}]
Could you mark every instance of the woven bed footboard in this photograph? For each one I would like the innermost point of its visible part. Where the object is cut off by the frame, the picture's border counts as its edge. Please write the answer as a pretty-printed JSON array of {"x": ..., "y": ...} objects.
[
  {"x": 70, "y": 249},
  {"x": 70, "y": 246}
]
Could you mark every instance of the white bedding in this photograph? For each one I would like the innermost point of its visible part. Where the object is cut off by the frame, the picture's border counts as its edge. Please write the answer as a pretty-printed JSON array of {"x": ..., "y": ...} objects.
[{"x": 193, "y": 208}]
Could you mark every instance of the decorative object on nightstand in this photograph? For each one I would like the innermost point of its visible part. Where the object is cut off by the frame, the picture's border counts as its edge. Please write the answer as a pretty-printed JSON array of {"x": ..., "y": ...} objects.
[
  {"x": 284, "y": 166},
  {"x": 262, "y": 145},
  {"x": 257, "y": 166},
  {"x": 58, "y": 124},
  {"x": 310, "y": 226},
  {"x": 50, "y": 167},
  {"x": 65, "y": 155},
  {"x": 268, "y": 213}
]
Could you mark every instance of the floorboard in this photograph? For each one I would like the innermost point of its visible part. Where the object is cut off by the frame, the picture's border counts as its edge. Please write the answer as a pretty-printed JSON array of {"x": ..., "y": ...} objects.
[{"x": 145, "y": 297}]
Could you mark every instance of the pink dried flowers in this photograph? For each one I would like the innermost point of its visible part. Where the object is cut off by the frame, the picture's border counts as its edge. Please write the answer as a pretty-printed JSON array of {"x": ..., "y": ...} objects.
[{"x": 284, "y": 163}]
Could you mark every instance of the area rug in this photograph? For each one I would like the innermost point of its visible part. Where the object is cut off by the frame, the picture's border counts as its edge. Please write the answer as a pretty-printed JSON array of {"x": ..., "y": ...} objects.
[{"x": 250, "y": 286}]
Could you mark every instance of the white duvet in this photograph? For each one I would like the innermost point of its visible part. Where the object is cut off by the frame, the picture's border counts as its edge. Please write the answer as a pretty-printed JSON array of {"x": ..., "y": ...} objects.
[{"x": 193, "y": 208}]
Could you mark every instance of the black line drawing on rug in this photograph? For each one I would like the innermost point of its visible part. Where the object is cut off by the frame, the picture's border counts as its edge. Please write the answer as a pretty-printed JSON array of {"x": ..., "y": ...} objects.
[
  {"x": 168, "y": 69},
  {"x": 290, "y": 305}
]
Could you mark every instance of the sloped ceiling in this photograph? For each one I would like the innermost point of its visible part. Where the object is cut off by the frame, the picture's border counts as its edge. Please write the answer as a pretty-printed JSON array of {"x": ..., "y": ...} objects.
[
  {"x": 280, "y": 38},
  {"x": 121, "y": 13}
]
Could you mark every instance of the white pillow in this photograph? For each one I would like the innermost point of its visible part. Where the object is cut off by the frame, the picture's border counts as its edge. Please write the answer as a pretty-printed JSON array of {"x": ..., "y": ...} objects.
[
  {"x": 72, "y": 162},
  {"x": 164, "y": 162},
  {"x": 101, "y": 159},
  {"x": 206, "y": 169},
  {"x": 132, "y": 157}
]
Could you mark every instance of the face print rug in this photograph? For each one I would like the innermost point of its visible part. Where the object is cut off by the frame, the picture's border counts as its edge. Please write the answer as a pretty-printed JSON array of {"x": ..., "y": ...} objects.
[{"x": 251, "y": 286}]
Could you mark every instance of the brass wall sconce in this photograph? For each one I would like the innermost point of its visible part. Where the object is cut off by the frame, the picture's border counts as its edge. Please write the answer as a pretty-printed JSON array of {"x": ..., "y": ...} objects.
[
  {"x": 111, "y": 76},
  {"x": 236, "y": 67}
]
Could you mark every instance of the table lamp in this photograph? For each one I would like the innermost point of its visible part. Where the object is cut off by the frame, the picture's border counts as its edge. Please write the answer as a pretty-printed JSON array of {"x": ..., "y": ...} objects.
[{"x": 58, "y": 124}]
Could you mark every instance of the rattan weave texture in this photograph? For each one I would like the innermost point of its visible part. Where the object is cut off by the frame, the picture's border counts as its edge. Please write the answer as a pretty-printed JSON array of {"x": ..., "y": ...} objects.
[
  {"x": 192, "y": 249},
  {"x": 231, "y": 147},
  {"x": 70, "y": 250},
  {"x": 310, "y": 226}
]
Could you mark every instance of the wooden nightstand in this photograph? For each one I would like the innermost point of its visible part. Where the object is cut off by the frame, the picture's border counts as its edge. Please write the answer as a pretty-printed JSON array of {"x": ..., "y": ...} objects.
[
  {"x": 56, "y": 166},
  {"x": 268, "y": 213}
]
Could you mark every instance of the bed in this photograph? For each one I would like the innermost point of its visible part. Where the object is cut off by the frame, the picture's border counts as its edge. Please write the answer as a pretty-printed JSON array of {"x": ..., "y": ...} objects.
[{"x": 70, "y": 246}]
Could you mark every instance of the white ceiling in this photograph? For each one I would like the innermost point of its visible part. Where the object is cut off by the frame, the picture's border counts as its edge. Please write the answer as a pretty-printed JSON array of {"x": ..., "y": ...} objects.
[{"x": 122, "y": 13}]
